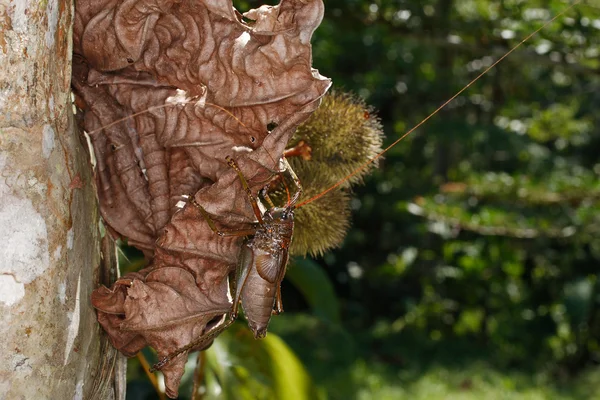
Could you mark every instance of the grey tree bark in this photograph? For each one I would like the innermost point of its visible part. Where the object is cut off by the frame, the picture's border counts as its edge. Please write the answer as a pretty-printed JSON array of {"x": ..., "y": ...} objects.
[{"x": 50, "y": 239}]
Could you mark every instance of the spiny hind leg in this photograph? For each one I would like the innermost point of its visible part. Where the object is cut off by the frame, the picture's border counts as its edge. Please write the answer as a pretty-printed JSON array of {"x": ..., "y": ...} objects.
[
  {"x": 286, "y": 167},
  {"x": 253, "y": 202},
  {"x": 278, "y": 309},
  {"x": 201, "y": 341}
]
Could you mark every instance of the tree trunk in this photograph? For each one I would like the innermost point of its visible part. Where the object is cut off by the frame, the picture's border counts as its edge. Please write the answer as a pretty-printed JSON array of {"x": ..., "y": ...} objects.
[{"x": 50, "y": 241}]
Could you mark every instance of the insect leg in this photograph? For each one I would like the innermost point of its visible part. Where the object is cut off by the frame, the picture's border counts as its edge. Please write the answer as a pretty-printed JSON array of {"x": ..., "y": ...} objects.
[
  {"x": 257, "y": 212},
  {"x": 296, "y": 180},
  {"x": 278, "y": 302},
  {"x": 265, "y": 195},
  {"x": 213, "y": 226},
  {"x": 199, "y": 341}
]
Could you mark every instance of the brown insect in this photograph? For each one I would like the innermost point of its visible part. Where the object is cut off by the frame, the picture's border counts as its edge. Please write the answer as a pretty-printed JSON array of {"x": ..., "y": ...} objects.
[
  {"x": 263, "y": 258},
  {"x": 261, "y": 266}
]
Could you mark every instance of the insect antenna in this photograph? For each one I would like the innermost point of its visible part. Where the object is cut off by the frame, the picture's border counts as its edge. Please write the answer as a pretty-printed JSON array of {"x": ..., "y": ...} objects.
[
  {"x": 287, "y": 192},
  {"x": 467, "y": 86}
]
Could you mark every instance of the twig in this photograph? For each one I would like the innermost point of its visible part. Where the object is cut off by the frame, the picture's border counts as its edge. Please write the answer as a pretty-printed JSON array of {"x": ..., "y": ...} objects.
[
  {"x": 199, "y": 376},
  {"x": 151, "y": 376}
]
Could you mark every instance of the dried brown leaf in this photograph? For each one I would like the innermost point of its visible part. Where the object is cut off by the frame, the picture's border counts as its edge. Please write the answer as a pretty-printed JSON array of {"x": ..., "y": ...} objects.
[{"x": 169, "y": 89}]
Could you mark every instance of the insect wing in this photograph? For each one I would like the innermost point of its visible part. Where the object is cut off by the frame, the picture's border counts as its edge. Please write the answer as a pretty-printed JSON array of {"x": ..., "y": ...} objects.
[
  {"x": 245, "y": 261},
  {"x": 269, "y": 265}
]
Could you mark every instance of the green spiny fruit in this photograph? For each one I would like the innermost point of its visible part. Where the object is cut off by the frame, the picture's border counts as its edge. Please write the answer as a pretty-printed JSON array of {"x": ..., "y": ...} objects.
[
  {"x": 343, "y": 135},
  {"x": 322, "y": 224}
]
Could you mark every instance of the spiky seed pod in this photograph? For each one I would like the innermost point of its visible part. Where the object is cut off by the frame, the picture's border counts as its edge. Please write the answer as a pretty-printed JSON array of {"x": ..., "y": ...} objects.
[
  {"x": 344, "y": 133},
  {"x": 321, "y": 225}
]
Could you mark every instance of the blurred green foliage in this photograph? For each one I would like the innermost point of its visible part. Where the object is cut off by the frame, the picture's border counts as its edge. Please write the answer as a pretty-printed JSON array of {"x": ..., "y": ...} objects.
[{"x": 471, "y": 268}]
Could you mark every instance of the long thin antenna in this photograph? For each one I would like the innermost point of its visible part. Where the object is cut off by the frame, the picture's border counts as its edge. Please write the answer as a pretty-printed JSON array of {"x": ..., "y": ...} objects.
[{"x": 365, "y": 164}]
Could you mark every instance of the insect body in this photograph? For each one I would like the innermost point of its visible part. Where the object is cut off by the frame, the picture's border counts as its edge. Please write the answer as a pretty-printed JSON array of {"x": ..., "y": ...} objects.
[
  {"x": 261, "y": 268},
  {"x": 263, "y": 258},
  {"x": 261, "y": 264}
]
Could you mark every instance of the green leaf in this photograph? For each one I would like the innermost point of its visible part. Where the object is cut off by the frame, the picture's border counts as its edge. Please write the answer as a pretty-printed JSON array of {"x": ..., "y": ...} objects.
[
  {"x": 578, "y": 299},
  {"x": 316, "y": 288},
  {"x": 241, "y": 367}
]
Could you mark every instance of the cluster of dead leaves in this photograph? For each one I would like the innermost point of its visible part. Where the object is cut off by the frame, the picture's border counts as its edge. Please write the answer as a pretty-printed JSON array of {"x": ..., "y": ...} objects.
[{"x": 169, "y": 88}]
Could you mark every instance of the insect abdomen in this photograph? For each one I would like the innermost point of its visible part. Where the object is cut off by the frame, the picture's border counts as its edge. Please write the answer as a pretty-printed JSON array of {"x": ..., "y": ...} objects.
[{"x": 258, "y": 299}]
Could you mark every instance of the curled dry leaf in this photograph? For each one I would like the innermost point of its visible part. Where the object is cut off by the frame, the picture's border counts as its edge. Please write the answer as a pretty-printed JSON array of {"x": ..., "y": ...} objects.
[{"x": 169, "y": 89}]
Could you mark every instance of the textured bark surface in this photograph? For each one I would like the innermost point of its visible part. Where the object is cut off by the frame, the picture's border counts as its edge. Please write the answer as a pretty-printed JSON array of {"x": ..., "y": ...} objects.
[
  {"x": 51, "y": 345},
  {"x": 241, "y": 88}
]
